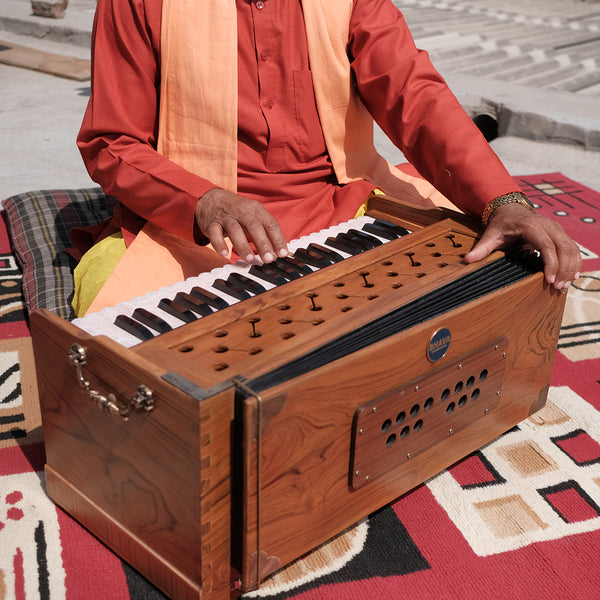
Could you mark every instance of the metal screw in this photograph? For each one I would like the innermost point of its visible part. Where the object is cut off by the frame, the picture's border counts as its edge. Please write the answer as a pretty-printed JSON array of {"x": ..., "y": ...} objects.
[
  {"x": 409, "y": 456},
  {"x": 374, "y": 409},
  {"x": 360, "y": 431},
  {"x": 451, "y": 431},
  {"x": 357, "y": 473},
  {"x": 416, "y": 388}
]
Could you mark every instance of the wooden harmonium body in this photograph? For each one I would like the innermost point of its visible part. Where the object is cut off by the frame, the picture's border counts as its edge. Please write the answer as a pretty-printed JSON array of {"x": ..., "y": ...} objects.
[{"x": 218, "y": 452}]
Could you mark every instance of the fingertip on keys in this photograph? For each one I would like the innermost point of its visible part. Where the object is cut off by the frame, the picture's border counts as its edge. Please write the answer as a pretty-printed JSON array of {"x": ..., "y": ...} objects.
[{"x": 270, "y": 257}]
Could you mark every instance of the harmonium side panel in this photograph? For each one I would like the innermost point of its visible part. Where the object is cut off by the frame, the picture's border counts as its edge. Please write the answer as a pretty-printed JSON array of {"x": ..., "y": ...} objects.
[
  {"x": 155, "y": 486},
  {"x": 316, "y": 475}
]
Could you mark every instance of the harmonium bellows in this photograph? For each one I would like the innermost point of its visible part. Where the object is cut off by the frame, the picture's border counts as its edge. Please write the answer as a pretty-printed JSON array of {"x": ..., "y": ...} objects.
[{"x": 214, "y": 432}]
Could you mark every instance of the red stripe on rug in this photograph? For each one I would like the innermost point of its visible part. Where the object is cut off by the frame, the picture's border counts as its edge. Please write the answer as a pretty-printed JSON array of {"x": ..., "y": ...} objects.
[
  {"x": 556, "y": 569},
  {"x": 22, "y": 459},
  {"x": 17, "y": 329},
  {"x": 582, "y": 377},
  {"x": 19, "y": 576},
  {"x": 91, "y": 570}
]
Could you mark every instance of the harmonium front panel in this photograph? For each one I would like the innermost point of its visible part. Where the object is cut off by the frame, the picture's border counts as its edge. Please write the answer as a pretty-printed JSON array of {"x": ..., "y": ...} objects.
[{"x": 347, "y": 387}]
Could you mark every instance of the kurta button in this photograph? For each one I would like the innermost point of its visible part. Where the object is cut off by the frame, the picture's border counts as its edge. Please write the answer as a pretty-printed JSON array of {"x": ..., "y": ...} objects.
[
  {"x": 269, "y": 103},
  {"x": 263, "y": 55},
  {"x": 260, "y": 4}
]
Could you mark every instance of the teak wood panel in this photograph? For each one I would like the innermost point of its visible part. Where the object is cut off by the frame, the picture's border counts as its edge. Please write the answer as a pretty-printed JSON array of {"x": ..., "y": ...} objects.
[
  {"x": 163, "y": 477},
  {"x": 305, "y": 496}
]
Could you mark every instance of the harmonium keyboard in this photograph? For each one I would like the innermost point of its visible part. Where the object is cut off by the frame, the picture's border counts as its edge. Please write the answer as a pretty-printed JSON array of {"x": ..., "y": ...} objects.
[{"x": 213, "y": 432}]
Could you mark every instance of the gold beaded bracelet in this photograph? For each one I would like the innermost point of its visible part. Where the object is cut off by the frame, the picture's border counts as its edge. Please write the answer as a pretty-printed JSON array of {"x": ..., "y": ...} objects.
[{"x": 513, "y": 197}]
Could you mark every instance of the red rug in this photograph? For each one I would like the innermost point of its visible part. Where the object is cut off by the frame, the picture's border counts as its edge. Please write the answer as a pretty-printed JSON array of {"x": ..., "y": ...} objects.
[{"x": 518, "y": 519}]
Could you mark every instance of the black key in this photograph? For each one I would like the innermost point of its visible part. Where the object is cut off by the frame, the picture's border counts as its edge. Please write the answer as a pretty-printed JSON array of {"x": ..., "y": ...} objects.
[
  {"x": 316, "y": 259},
  {"x": 210, "y": 298},
  {"x": 330, "y": 254},
  {"x": 133, "y": 327},
  {"x": 247, "y": 283},
  {"x": 151, "y": 320},
  {"x": 391, "y": 226},
  {"x": 286, "y": 270},
  {"x": 344, "y": 244},
  {"x": 292, "y": 266},
  {"x": 177, "y": 310},
  {"x": 369, "y": 239},
  {"x": 318, "y": 256},
  {"x": 232, "y": 288},
  {"x": 386, "y": 234},
  {"x": 269, "y": 273},
  {"x": 355, "y": 240},
  {"x": 385, "y": 229},
  {"x": 193, "y": 303}
]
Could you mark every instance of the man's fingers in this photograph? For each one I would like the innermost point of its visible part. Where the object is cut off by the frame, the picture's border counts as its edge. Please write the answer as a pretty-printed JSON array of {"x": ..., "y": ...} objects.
[
  {"x": 562, "y": 260},
  {"x": 510, "y": 223},
  {"x": 265, "y": 233},
  {"x": 490, "y": 240},
  {"x": 220, "y": 214},
  {"x": 259, "y": 237},
  {"x": 216, "y": 234},
  {"x": 277, "y": 238}
]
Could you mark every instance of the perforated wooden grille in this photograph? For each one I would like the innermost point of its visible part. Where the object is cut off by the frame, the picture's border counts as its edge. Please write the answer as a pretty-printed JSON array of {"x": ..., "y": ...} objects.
[{"x": 393, "y": 429}]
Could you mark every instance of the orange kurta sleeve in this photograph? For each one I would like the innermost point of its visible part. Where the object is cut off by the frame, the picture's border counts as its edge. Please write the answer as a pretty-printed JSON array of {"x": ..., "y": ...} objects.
[
  {"x": 117, "y": 139},
  {"x": 413, "y": 105}
]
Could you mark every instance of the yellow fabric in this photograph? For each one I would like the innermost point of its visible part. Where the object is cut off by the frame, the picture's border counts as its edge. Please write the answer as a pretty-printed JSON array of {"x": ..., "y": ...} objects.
[
  {"x": 157, "y": 259},
  {"x": 198, "y": 117},
  {"x": 94, "y": 269},
  {"x": 362, "y": 211}
]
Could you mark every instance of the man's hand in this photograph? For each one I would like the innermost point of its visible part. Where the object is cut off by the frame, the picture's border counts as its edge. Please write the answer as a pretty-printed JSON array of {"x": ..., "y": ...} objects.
[
  {"x": 512, "y": 222},
  {"x": 221, "y": 214}
]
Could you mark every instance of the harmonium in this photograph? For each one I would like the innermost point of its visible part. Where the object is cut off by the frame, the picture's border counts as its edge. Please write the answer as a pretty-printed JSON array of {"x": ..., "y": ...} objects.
[{"x": 213, "y": 432}]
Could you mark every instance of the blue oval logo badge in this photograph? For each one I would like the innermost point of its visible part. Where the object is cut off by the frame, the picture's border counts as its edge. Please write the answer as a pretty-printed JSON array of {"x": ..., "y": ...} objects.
[{"x": 438, "y": 344}]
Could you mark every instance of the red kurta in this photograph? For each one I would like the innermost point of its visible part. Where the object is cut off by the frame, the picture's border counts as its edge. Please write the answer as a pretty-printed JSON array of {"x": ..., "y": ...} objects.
[{"x": 282, "y": 158}]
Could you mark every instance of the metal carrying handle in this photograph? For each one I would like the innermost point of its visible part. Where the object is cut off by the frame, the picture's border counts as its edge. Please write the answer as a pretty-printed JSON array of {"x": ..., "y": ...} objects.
[{"x": 142, "y": 400}]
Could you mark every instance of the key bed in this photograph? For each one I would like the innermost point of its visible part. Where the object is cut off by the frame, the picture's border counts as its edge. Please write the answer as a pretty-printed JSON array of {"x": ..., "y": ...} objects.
[{"x": 160, "y": 311}]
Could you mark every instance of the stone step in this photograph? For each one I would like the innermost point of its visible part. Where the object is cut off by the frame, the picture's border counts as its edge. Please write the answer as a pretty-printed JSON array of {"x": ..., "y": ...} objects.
[
  {"x": 553, "y": 77},
  {"x": 500, "y": 68},
  {"x": 580, "y": 83},
  {"x": 519, "y": 75}
]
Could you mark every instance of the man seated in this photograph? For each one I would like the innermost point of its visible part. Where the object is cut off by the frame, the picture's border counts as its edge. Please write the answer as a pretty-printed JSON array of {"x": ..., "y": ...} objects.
[{"x": 251, "y": 122}]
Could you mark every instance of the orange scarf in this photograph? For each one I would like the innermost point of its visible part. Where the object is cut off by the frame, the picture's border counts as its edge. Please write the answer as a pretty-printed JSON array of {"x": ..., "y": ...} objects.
[{"x": 198, "y": 117}]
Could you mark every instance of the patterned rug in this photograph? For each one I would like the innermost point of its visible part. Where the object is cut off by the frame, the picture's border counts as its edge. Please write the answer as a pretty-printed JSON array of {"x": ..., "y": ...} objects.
[{"x": 518, "y": 519}]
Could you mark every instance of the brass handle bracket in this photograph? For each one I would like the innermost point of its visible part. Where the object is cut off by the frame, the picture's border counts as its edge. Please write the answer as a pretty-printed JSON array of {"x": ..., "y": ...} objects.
[{"x": 141, "y": 401}]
